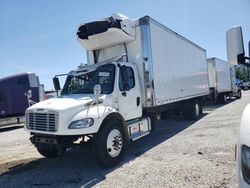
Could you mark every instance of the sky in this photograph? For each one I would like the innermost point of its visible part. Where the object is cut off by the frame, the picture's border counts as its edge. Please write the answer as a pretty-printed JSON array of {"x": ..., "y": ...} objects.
[{"x": 40, "y": 36}]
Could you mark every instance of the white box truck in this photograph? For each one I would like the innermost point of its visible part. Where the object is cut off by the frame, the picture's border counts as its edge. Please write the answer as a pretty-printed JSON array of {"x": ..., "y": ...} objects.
[
  {"x": 136, "y": 69},
  {"x": 222, "y": 81}
]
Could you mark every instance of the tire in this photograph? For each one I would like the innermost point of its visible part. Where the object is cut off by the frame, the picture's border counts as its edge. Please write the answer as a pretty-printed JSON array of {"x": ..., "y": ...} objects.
[
  {"x": 222, "y": 99},
  {"x": 193, "y": 110},
  {"x": 51, "y": 153},
  {"x": 239, "y": 94},
  {"x": 201, "y": 108},
  {"x": 109, "y": 143}
]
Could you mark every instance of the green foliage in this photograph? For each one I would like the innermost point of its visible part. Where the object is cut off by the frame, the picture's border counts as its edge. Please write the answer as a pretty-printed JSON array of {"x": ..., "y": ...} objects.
[
  {"x": 242, "y": 73},
  {"x": 80, "y": 66}
]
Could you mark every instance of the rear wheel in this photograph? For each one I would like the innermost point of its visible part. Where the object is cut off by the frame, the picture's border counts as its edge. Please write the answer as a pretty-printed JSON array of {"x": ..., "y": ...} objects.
[
  {"x": 238, "y": 95},
  {"x": 108, "y": 144},
  {"x": 52, "y": 152},
  {"x": 222, "y": 98},
  {"x": 193, "y": 110}
]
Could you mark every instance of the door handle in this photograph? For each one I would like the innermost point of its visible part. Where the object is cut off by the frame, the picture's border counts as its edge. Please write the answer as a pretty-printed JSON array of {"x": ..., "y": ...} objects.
[{"x": 138, "y": 101}]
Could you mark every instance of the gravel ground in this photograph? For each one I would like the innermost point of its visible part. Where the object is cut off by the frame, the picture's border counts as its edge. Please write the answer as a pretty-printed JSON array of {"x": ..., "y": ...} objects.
[{"x": 178, "y": 154}]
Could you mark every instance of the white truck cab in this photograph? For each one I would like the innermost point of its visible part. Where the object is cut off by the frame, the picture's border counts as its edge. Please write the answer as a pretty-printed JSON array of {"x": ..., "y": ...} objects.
[
  {"x": 89, "y": 98},
  {"x": 79, "y": 107}
]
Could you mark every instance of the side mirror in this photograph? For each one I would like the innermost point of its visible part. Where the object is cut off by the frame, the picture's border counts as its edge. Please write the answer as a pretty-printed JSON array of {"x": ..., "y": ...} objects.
[
  {"x": 235, "y": 46},
  {"x": 124, "y": 75},
  {"x": 56, "y": 84},
  {"x": 28, "y": 94}
]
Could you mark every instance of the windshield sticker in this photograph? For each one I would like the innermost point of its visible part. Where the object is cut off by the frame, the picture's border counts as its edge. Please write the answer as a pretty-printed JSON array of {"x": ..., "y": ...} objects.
[{"x": 104, "y": 74}]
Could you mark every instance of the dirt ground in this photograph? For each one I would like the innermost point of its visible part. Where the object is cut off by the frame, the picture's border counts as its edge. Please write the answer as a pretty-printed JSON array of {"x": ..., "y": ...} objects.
[{"x": 178, "y": 153}]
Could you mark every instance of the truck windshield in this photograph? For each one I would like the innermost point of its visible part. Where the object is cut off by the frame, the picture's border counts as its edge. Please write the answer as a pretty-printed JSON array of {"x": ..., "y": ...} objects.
[{"x": 103, "y": 75}]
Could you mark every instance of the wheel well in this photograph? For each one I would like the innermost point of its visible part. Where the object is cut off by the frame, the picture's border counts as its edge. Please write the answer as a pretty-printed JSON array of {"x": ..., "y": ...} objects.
[{"x": 118, "y": 117}]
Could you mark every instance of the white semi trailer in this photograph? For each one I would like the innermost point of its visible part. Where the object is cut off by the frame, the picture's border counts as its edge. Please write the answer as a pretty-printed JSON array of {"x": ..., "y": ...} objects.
[
  {"x": 222, "y": 81},
  {"x": 136, "y": 69}
]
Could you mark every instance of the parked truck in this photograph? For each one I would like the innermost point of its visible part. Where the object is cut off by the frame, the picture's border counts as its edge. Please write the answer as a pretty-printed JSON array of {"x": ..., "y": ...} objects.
[
  {"x": 236, "y": 55},
  {"x": 136, "y": 69},
  {"x": 222, "y": 80},
  {"x": 14, "y": 93}
]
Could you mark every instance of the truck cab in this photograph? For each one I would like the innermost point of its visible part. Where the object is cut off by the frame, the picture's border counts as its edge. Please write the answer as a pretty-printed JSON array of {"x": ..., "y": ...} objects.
[{"x": 91, "y": 97}]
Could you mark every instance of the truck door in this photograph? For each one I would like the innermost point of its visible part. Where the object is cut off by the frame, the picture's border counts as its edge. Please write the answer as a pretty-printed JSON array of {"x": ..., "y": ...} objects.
[{"x": 129, "y": 96}]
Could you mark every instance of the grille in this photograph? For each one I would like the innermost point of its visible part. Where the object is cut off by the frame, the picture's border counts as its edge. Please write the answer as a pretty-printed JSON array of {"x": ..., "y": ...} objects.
[{"x": 42, "y": 121}]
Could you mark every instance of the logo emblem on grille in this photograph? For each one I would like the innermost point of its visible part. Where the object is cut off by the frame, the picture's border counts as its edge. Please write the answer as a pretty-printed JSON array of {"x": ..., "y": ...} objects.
[{"x": 40, "y": 110}]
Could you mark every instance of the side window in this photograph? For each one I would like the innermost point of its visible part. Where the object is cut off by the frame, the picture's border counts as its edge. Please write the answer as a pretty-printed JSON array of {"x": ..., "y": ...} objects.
[{"x": 131, "y": 79}]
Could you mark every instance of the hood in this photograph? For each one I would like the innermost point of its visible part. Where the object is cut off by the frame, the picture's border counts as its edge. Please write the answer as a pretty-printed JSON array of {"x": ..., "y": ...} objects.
[{"x": 61, "y": 103}]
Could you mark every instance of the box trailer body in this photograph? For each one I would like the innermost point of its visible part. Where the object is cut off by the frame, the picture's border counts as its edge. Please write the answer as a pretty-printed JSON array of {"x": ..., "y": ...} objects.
[
  {"x": 136, "y": 69},
  {"x": 175, "y": 69},
  {"x": 220, "y": 75},
  {"x": 13, "y": 101},
  {"x": 222, "y": 80}
]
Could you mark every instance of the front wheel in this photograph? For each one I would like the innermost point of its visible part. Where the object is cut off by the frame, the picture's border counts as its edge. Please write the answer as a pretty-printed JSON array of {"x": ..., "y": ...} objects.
[{"x": 108, "y": 144}]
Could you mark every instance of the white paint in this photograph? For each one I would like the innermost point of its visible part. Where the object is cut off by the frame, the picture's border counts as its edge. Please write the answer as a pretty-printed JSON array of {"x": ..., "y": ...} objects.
[
  {"x": 111, "y": 37},
  {"x": 128, "y": 104},
  {"x": 179, "y": 66},
  {"x": 219, "y": 75},
  {"x": 73, "y": 108}
]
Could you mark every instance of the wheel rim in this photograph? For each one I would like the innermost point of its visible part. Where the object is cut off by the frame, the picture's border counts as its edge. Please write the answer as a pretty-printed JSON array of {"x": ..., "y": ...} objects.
[
  {"x": 114, "y": 143},
  {"x": 197, "y": 110}
]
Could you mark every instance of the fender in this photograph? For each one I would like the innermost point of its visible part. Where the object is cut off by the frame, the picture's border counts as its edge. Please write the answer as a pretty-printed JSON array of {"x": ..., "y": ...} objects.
[{"x": 119, "y": 117}]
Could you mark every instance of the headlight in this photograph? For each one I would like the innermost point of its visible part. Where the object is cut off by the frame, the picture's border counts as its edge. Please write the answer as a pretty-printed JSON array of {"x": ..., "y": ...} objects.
[
  {"x": 83, "y": 123},
  {"x": 245, "y": 157}
]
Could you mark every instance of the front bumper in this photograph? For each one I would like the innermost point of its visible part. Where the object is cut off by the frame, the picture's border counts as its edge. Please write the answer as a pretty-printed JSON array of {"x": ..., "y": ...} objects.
[{"x": 52, "y": 141}]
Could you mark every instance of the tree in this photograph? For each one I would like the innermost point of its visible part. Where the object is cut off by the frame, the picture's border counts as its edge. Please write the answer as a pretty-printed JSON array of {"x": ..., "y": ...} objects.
[
  {"x": 80, "y": 66},
  {"x": 241, "y": 73}
]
